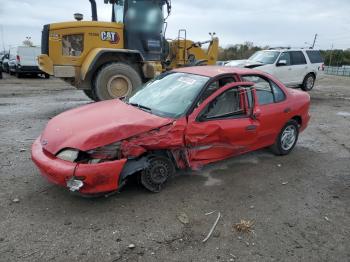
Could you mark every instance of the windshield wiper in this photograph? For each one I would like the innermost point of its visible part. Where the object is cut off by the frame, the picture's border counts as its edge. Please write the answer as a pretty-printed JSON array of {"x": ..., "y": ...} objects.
[{"x": 145, "y": 108}]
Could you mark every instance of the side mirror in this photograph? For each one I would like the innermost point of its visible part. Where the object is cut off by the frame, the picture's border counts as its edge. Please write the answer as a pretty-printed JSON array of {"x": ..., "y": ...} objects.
[{"x": 282, "y": 63}]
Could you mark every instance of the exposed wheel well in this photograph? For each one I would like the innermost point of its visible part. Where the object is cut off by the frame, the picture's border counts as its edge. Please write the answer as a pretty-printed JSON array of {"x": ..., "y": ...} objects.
[
  {"x": 311, "y": 73},
  {"x": 298, "y": 119},
  {"x": 134, "y": 166}
]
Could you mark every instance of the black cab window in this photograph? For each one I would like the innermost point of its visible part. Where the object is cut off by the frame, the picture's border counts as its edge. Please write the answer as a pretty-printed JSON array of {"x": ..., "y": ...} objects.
[
  {"x": 226, "y": 105},
  {"x": 297, "y": 58}
]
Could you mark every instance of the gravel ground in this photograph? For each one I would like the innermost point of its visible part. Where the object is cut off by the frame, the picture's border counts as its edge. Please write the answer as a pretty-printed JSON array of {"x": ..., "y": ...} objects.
[{"x": 300, "y": 203}]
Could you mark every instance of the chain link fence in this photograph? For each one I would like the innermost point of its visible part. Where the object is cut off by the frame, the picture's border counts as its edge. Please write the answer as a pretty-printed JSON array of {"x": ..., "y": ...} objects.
[{"x": 339, "y": 71}]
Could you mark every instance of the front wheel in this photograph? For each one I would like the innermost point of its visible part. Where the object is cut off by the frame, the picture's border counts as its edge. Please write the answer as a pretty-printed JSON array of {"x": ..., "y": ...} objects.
[
  {"x": 287, "y": 139},
  {"x": 308, "y": 83},
  {"x": 157, "y": 173},
  {"x": 116, "y": 80}
]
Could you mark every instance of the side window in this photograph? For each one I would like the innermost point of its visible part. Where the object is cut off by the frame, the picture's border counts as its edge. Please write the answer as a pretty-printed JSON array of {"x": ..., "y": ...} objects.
[
  {"x": 214, "y": 86},
  {"x": 314, "y": 56},
  {"x": 286, "y": 57},
  {"x": 226, "y": 105},
  {"x": 278, "y": 93},
  {"x": 297, "y": 58},
  {"x": 263, "y": 89}
]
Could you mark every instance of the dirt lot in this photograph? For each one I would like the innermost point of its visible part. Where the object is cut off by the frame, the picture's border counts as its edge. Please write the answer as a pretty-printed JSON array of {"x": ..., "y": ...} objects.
[{"x": 300, "y": 203}]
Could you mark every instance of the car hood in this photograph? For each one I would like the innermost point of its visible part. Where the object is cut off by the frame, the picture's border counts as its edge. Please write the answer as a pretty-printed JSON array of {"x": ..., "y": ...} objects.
[
  {"x": 252, "y": 64},
  {"x": 97, "y": 124}
]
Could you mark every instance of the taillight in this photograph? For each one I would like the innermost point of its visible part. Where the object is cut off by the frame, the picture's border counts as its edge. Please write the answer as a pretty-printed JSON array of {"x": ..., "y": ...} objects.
[{"x": 18, "y": 59}]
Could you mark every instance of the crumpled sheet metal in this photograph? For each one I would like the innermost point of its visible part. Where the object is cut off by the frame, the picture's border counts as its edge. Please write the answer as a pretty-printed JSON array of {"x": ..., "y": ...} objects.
[{"x": 188, "y": 148}]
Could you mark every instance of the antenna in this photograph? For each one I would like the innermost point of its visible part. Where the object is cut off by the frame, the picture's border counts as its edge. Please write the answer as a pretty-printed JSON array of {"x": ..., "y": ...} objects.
[{"x": 313, "y": 44}]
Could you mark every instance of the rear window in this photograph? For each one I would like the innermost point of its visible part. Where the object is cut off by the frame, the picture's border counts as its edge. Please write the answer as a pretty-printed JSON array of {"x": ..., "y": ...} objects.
[
  {"x": 297, "y": 58},
  {"x": 314, "y": 56}
]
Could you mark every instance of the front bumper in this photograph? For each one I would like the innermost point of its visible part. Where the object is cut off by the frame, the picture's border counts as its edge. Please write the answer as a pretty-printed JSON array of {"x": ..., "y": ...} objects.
[{"x": 97, "y": 178}]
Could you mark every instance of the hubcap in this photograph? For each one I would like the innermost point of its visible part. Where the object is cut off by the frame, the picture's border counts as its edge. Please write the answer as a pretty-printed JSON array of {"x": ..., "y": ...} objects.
[
  {"x": 288, "y": 137},
  {"x": 310, "y": 82},
  {"x": 159, "y": 173},
  {"x": 119, "y": 86}
]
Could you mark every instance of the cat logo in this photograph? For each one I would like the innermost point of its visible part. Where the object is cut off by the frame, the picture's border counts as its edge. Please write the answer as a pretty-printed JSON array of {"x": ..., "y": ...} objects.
[{"x": 112, "y": 37}]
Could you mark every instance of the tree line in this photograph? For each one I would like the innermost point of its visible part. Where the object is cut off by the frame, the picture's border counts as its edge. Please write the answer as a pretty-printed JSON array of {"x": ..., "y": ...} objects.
[{"x": 336, "y": 57}]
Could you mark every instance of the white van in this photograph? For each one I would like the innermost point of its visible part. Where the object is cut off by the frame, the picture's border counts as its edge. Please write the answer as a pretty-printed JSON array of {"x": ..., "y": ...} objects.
[
  {"x": 23, "y": 60},
  {"x": 293, "y": 67}
]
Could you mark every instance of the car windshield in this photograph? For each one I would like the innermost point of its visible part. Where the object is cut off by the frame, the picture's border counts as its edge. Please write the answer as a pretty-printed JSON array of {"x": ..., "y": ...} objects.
[
  {"x": 170, "y": 94},
  {"x": 265, "y": 57}
]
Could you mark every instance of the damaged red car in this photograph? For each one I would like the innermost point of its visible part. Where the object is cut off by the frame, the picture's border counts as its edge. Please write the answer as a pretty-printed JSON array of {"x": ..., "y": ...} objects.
[{"x": 184, "y": 118}]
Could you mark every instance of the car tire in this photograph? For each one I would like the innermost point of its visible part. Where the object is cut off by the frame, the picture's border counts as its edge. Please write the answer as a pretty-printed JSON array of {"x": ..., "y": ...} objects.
[
  {"x": 159, "y": 170},
  {"x": 18, "y": 75},
  {"x": 47, "y": 76},
  {"x": 89, "y": 94},
  {"x": 308, "y": 82},
  {"x": 116, "y": 80},
  {"x": 286, "y": 139}
]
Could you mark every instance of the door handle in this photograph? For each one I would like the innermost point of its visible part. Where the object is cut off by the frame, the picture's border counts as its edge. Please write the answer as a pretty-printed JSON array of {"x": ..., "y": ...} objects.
[
  {"x": 287, "y": 110},
  {"x": 251, "y": 128},
  {"x": 289, "y": 68}
]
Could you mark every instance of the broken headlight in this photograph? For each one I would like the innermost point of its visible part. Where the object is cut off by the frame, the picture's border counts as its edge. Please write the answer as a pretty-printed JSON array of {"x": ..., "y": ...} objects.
[
  {"x": 108, "y": 152},
  {"x": 68, "y": 155}
]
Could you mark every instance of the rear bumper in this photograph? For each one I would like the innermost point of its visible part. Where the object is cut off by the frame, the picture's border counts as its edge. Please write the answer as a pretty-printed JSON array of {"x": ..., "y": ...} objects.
[
  {"x": 28, "y": 69},
  {"x": 304, "y": 122},
  {"x": 97, "y": 178}
]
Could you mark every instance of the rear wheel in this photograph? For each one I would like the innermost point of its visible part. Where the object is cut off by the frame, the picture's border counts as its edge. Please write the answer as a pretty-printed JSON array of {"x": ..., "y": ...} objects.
[
  {"x": 18, "y": 75},
  {"x": 89, "y": 94},
  {"x": 157, "y": 173},
  {"x": 47, "y": 76},
  {"x": 308, "y": 83},
  {"x": 116, "y": 80},
  {"x": 287, "y": 138}
]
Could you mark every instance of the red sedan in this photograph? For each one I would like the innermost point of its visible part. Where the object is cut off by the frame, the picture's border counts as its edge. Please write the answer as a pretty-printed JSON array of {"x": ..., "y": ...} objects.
[{"x": 184, "y": 118}]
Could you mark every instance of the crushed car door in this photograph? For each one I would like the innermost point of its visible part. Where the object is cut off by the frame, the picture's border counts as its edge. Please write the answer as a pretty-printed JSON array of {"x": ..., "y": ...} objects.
[{"x": 221, "y": 126}]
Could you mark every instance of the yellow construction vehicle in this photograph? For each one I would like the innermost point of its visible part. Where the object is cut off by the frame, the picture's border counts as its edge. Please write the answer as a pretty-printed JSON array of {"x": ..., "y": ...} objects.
[{"x": 112, "y": 59}]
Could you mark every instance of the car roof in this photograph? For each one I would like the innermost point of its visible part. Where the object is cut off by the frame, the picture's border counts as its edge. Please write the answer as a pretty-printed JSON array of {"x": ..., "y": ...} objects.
[
  {"x": 290, "y": 49},
  {"x": 213, "y": 71}
]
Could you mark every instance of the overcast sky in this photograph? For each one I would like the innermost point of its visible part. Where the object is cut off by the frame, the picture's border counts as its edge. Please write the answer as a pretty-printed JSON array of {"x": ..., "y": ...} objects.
[{"x": 273, "y": 22}]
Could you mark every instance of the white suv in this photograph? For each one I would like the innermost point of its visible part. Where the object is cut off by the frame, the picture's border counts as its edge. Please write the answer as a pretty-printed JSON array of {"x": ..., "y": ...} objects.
[{"x": 293, "y": 67}]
